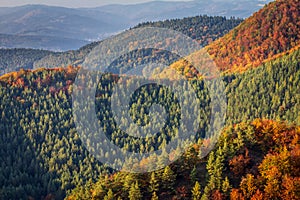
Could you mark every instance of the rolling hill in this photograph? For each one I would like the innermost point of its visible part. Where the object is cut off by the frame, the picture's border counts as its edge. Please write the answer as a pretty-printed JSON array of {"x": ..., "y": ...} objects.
[
  {"x": 42, "y": 155},
  {"x": 39, "y": 42},
  {"x": 204, "y": 29},
  {"x": 16, "y": 59},
  {"x": 30, "y": 23}
]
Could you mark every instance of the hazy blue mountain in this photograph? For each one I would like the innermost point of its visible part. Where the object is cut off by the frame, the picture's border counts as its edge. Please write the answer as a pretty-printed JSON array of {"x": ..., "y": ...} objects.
[
  {"x": 39, "y": 42},
  {"x": 58, "y": 28},
  {"x": 160, "y": 10}
]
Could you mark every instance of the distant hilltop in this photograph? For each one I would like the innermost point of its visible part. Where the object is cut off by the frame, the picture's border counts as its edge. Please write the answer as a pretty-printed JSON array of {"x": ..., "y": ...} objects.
[{"x": 60, "y": 29}]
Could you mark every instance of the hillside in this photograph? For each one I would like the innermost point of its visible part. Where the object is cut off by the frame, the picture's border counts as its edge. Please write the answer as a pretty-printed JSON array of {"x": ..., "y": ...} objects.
[
  {"x": 266, "y": 34},
  {"x": 79, "y": 25},
  {"x": 254, "y": 160},
  {"x": 15, "y": 59},
  {"x": 205, "y": 29},
  {"x": 36, "y": 118},
  {"x": 40, "y": 42}
]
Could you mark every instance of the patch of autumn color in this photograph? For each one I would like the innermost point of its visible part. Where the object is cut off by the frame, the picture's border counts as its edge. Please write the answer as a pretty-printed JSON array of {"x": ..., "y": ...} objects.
[
  {"x": 272, "y": 133},
  {"x": 263, "y": 37},
  {"x": 16, "y": 79},
  {"x": 182, "y": 192},
  {"x": 291, "y": 188},
  {"x": 236, "y": 194},
  {"x": 239, "y": 163},
  {"x": 257, "y": 196},
  {"x": 278, "y": 175},
  {"x": 276, "y": 171},
  {"x": 217, "y": 195}
]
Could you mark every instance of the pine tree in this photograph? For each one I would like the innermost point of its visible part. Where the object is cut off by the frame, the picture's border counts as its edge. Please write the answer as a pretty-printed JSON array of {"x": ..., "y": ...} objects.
[
  {"x": 193, "y": 175},
  {"x": 135, "y": 192},
  {"x": 226, "y": 186},
  {"x": 196, "y": 191},
  {"x": 109, "y": 195},
  {"x": 153, "y": 183},
  {"x": 210, "y": 163},
  {"x": 168, "y": 178},
  {"x": 207, "y": 193},
  {"x": 129, "y": 180},
  {"x": 154, "y": 196}
]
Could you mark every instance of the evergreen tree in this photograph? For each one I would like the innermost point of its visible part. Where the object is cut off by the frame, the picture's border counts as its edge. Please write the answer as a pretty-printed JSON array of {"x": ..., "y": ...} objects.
[
  {"x": 153, "y": 183},
  {"x": 135, "y": 192},
  {"x": 109, "y": 195},
  {"x": 129, "y": 180},
  {"x": 168, "y": 178},
  {"x": 154, "y": 196},
  {"x": 193, "y": 175},
  {"x": 196, "y": 191},
  {"x": 226, "y": 186}
]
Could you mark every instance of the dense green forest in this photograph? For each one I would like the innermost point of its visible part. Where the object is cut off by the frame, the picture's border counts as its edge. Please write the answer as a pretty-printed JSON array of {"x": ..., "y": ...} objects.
[
  {"x": 42, "y": 154},
  {"x": 253, "y": 160},
  {"x": 204, "y": 29},
  {"x": 15, "y": 59},
  {"x": 265, "y": 150}
]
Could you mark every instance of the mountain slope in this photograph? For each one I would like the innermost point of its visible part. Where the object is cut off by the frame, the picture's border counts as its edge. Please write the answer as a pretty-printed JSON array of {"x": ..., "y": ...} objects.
[
  {"x": 202, "y": 28},
  {"x": 15, "y": 59},
  {"x": 33, "y": 22},
  {"x": 269, "y": 32},
  {"x": 52, "y": 43},
  {"x": 162, "y": 10},
  {"x": 42, "y": 153},
  {"x": 252, "y": 160},
  {"x": 90, "y": 24}
]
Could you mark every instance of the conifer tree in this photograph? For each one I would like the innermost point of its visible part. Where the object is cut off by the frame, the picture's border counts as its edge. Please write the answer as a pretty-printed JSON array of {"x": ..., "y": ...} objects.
[
  {"x": 196, "y": 191},
  {"x": 193, "y": 175},
  {"x": 153, "y": 183},
  {"x": 129, "y": 180},
  {"x": 154, "y": 196},
  {"x": 226, "y": 185},
  {"x": 109, "y": 195},
  {"x": 168, "y": 178},
  {"x": 135, "y": 192}
]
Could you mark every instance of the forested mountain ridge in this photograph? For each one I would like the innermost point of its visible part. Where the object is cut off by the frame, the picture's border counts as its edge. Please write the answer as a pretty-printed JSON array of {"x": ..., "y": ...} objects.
[
  {"x": 267, "y": 33},
  {"x": 15, "y": 59},
  {"x": 255, "y": 159},
  {"x": 41, "y": 26},
  {"x": 36, "y": 118},
  {"x": 204, "y": 29},
  {"x": 252, "y": 160}
]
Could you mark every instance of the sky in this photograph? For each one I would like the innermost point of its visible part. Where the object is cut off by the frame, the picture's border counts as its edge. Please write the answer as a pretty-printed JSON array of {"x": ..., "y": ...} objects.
[{"x": 71, "y": 3}]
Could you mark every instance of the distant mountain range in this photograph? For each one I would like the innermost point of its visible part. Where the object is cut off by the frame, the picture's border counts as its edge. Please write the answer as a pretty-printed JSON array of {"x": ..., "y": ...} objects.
[
  {"x": 60, "y": 29},
  {"x": 17, "y": 58}
]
